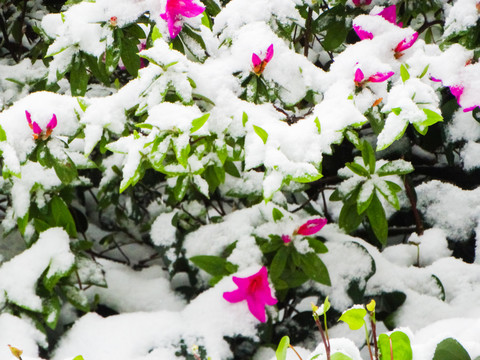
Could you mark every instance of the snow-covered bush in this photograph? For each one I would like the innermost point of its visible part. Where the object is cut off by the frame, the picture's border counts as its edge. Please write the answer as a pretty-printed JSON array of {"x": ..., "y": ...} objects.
[{"x": 196, "y": 172}]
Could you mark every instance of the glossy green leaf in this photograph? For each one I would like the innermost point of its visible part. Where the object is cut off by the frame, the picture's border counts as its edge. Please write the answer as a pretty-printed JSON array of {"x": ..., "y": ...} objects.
[
  {"x": 281, "y": 353},
  {"x": 62, "y": 216},
  {"x": 340, "y": 356},
  {"x": 314, "y": 268},
  {"x": 398, "y": 344},
  {"x": 214, "y": 265},
  {"x": 3, "y": 135},
  {"x": 199, "y": 122},
  {"x": 278, "y": 262},
  {"x": 365, "y": 196},
  {"x": 368, "y": 156},
  {"x": 335, "y": 36},
  {"x": 355, "y": 318},
  {"x": 261, "y": 133},
  {"x": 405, "y": 75},
  {"x": 244, "y": 118},
  {"x": 276, "y": 214},
  {"x": 358, "y": 169},
  {"x": 129, "y": 55},
  {"x": 317, "y": 245},
  {"x": 79, "y": 78},
  {"x": 396, "y": 167}
]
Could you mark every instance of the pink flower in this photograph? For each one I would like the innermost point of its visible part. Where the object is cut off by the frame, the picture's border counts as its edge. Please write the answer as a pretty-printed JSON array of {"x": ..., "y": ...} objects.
[
  {"x": 389, "y": 14},
  {"x": 377, "y": 77},
  {"x": 37, "y": 130},
  {"x": 258, "y": 64},
  {"x": 362, "y": 34},
  {"x": 256, "y": 290},
  {"x": 311, "y": 227},
  {"x": 362, "y": 2},
  {"x": 405, "y": 44},
  {"x": 457, "y": 91},
  {"x": 286, "y": 239},
  {"x": 175, "y": 10}
]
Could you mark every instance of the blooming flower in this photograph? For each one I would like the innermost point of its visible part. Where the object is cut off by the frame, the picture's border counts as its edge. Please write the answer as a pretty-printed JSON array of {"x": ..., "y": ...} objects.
[
  {"x": 377, "y": 77},
  {"x": 175, "y": 10},
  {"x": 258, "y": 64},
  {"x": 362, "y": 2},
  {"x": 457, "y": 91},
  {"x": 311, "y": 227},
  {"x": 256, "y": 290},
  {"x": 389, "y": 14},
  {"x": 37, "y": 130}
]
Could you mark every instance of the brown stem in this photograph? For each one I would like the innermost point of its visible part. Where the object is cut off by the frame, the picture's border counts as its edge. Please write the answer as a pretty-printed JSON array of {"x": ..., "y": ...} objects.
[
  {"x": 326, "y": 342},
  {"x": 308, "y": 25},
  {"x": 295, "y": 351},
  {"x": 413, "y": 204},
  {"x": 374, "y": 334}
]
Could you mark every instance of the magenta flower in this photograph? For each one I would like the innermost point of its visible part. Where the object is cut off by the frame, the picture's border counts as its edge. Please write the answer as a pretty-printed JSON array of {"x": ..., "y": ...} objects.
[
  {"x": 258, "y": 64},
  {"x": 256, "y": 290},
  {"x": 405, "y": 44},
  {"x": 377, "y": 77},
  {"x": 389, "y": 14},
  {"x": 362, "y": 2},
  {"x": 362, "y": 34},
  {"x": 457, "y": 91},
  {"x": 37, "y": 130},
  {"x": 286, "y": 239},
  {"x": 311, "y": 227},
  {"x": 175, "y": 10}
]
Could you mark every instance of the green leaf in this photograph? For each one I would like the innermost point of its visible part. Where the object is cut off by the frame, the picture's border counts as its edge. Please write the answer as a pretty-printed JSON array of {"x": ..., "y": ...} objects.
[
  {"x": 307, "y": 178},
  {"x": 214, "y": 265},
  {"x": 424, "y": 72},
  {"x": 231, "y": 169},
  {"x": 3, "y": 135},
  {"x": 62, "y": 216},
  {"x": 261, "y": 133},
  {"x": 404, "y": 73},
  {"x": 353, "y": 137},
  {"x": 340, "y": 356},
  {"x": 349, "y": 218},
  {"x": 278, "y": 262},
  {"x": 79, "y": 357},
  {"x": 396, "y": 345},
  {"x": 252, "y": 89},
  {"x": 129, "y": 55},
  {"x": 450, "y": 349},
  {"x": 156, "y": 34},
  {"x": 396, "y": 167},
  {"x": 358, "y": 169},
  {"x": 365, "y": 196},
  {"x": 276, "y": 214},
  {"x": 22, "y": 223},
  {"x": 180, "y": 188},
  {"x": 317, "y": 123},
  {"x": 397, "y": 110},
  {"x": 199, "y": 122},
  {"x": 281, "y": 353},
  {"x": 317, "y": 245},
  {"x": 368, "y": 156},
  {"x": 314, "y": 268},
  {"x": 79, "y": 78},
  {"x": 378, "y": 220},
  {"x": 182, "y": 151},
  {"x": 388, "y": 192},
  {"x": 206, "y": 21},
  {"x": 336, "y": 35},
  {"x": 273, "y": 245},
  {"x": 355, "y": 318},
  {"x": 76, "y": 297},
  {"x": 66, "y": 171},
  {"x": 51, "y": 311},
  {"x": 244, "y": 118},
  {"x": 432, "y": 117}
]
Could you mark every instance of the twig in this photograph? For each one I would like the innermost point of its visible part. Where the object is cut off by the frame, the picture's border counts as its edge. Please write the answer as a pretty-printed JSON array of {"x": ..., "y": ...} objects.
[
  {"x": 295, "y": 351},
  {"x": 308, "y": 25},
  {"x": 413, "y": 204}
]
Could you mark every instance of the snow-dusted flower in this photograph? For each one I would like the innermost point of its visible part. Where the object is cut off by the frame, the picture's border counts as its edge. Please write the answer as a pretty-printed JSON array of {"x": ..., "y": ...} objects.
[
  {"x": 113, "y": 21},
  {"x": 377, "y": 77},
  {"x": 175, "y": 10},
  {"x": 457, "y": 91},
  {"x": 37, "y": 130},
  {"x": 258, "y": 64},
  {"x": 311, "y": 227},
  {"x": 362, "y": 2},
  {"x": 255, "y": 289}
]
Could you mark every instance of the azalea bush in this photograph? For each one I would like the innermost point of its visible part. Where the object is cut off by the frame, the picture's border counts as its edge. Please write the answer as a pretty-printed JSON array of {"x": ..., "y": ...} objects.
[{"x": 250, "y": 156}]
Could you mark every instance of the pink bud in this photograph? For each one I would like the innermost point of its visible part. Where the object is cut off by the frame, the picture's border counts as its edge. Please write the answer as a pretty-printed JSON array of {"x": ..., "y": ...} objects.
[
  {"x": 358, "y": 76},
  {"x": 256, "y": 60},
  {"x": 362, "y": 2},
  {"x": 312, "y": 226},
  {"x": 286, "y": 239},
  {"x": 29, "y": 117},
  {"x": 269, "y": 54},
  {"x": 380, "y": 77}
]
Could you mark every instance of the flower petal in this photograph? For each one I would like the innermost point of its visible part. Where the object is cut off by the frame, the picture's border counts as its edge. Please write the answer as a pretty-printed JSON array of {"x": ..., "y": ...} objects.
[
  {"x": 406, "y": 43},
  {"x": 188, "y": 8},
  {"x": 29, "y": 117},
  {"x": 257, "y": 308},
  {"x": 269, "y": 55},
  {"x": 362, "y": 34},
  {"x": 52, "y": 123},
  {"x": 312, "y": 226},
  {"x": 389, "y": 14},
  {"x": 359, "y": 76},
  {"x": 380, "y": 77},
  {"x": 457, "y": 91},
  {"x": 36, "y": 128},
  {"x": 234, "y": 296},
  {"x": 256, "y": 60}
]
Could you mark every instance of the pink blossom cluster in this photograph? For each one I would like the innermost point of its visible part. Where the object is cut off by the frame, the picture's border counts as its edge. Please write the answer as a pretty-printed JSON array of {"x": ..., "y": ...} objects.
[
  {"x": 37, "y": 130},
  {"x": 176, "y": 10}
]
